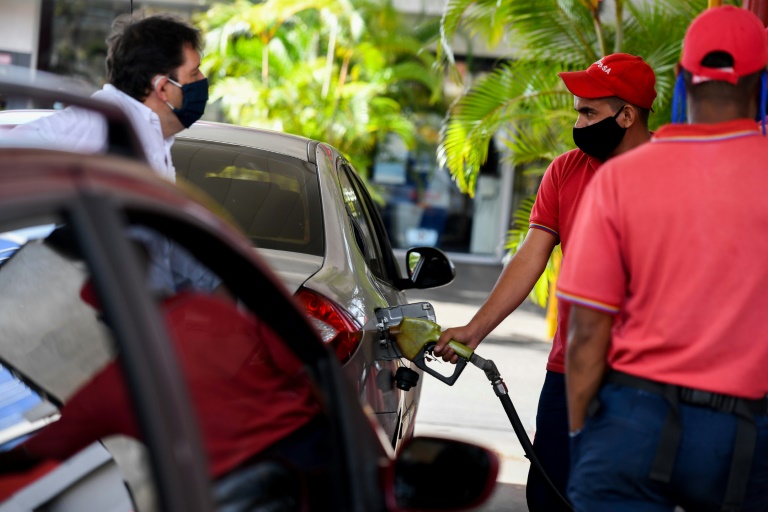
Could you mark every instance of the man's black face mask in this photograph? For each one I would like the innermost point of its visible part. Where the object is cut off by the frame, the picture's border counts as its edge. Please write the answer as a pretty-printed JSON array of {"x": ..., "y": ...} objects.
[{"x": 600, "y": 139}]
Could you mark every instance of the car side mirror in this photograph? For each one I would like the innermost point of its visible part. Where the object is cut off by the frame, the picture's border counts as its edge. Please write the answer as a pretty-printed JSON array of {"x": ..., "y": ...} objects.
[
  {"x": 424, "y": 465},
  {"x": 428, "y": 268}
]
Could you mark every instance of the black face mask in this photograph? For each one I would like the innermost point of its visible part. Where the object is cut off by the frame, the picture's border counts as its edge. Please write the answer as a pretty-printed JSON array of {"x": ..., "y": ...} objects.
[
  {"x": 195, "y": 96},
  {"x": 600, "y": 139}
]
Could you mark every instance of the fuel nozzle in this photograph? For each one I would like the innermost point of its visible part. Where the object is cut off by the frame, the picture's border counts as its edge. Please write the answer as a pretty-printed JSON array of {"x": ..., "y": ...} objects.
[{"x": 416, "y": 337}]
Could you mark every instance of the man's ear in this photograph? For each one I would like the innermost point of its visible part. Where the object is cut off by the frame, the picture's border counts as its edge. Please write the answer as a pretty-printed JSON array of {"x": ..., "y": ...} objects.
[
  {"x": 678, "y": 69},
  {"x": 629, "y": 116},
  {"x": 159, "y": 85}
]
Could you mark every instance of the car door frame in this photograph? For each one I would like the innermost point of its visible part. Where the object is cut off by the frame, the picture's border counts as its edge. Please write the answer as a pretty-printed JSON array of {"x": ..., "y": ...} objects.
[
  {"x": 357, "y": 486},
  {"x": 159, "y": 397}
]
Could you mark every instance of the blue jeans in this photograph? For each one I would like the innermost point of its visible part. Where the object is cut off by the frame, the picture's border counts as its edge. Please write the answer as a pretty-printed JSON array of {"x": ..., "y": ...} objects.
[
  {"x": 612, "y": 457},
  {"x": 551, "y": 447}
]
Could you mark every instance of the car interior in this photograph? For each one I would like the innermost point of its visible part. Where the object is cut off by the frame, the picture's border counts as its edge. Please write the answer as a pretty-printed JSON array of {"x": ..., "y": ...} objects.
[
  {"x": 274, "y": 199},
  {"x": 61, "y": 345}
]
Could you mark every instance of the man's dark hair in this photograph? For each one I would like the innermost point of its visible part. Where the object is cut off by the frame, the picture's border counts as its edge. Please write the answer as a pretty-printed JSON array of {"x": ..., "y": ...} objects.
[
  {"x": 717, "y": 91},
  {"x": 140, "y": 49},
  {"x": 616, "y": 103}
]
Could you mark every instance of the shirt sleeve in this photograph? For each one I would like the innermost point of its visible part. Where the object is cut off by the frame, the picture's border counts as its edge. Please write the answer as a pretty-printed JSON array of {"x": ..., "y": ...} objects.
[
  {"x": 545, "y": 214},
  {"x": 72, "y": 129},
  {"x": 593, "y": 274}
]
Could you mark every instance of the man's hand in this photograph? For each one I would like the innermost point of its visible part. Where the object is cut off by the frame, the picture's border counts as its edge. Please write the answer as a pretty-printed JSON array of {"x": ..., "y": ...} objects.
[
  {"x": 466, "y": 335},
  {"x": 586, "y": 360}
]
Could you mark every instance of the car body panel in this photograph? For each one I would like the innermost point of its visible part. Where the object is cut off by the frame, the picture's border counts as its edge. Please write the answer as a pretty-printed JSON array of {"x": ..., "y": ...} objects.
[{"x": 294, "y": 268}]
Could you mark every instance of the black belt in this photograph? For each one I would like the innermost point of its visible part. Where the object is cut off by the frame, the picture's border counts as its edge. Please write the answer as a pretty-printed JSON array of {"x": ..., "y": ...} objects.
[{"x": 746, "y": 432}]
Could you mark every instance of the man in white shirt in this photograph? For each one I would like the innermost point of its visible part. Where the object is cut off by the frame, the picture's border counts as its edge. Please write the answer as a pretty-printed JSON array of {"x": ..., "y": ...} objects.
[{"x": 153, "y": 75}]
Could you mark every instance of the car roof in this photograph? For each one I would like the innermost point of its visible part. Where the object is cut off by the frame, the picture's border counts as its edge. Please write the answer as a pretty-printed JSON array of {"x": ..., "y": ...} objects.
[
  {"x": 268, "y": 140},
  {"x": 276, "y": 142},
  {"x": 27, "y": 173}
]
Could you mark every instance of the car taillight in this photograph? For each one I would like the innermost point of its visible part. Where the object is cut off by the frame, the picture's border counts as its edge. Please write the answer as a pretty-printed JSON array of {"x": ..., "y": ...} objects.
[{"x": 332, "y": 323}]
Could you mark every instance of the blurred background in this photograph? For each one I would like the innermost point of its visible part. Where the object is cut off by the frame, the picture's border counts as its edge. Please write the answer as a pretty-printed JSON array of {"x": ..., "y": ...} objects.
[{"x": 451, "y": 111}]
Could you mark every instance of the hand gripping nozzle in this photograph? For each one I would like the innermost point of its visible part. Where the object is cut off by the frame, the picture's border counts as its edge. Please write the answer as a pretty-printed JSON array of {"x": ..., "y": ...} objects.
[{"x": 417, "y": 337}]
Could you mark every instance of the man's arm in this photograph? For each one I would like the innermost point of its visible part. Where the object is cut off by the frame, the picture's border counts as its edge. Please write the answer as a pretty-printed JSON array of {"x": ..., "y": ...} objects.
[
  {"x": 515, "y": 283},
  {"x": 589, "y": 336},
  {"x": 74, "y": 129}
]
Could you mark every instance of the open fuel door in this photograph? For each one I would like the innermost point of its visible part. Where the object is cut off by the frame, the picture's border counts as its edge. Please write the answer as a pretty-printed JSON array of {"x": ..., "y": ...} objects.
[{"x": 403, "y": 334}]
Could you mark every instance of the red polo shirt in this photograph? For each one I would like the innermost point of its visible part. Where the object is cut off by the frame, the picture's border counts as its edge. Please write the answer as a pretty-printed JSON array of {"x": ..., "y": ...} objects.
[
  {"x": 247, "y": 388},
  {"x": 559, "y": 194},
  {"x": 671, "y": 237}
]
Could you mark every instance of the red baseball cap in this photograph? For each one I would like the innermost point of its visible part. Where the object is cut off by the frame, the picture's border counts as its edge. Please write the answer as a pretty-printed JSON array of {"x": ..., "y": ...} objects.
[
  {"x": 619, "y": 74},
  {"x": 729, "y": 29}
]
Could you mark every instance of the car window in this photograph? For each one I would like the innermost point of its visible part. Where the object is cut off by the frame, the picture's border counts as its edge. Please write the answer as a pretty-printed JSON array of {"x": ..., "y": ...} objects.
[
  {"x": 365, "y": 236},
  {"x": 54, "y": 344},
  {"x": 391, "y": 269},
  {"x": 274, "y": 199},
  {"x": 259, "y": 411},
  {"x": 62, "y": 389}
]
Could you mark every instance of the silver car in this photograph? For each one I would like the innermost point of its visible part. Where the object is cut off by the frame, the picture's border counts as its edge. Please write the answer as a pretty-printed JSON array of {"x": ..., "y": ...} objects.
[
  {"x": 311, "y": 217},
  {"x": 77, "y": 308}
]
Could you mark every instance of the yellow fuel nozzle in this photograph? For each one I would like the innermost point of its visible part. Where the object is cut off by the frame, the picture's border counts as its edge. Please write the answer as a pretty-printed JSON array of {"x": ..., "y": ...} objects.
[
  {"x": 415, "y": 336},
  {"x": 411, "y": 335}
]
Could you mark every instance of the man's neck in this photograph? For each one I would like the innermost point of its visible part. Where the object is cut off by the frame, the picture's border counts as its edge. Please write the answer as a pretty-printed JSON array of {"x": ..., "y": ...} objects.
[
  {"x": 707, "y": 113},
  {"x": 631, "y": 140},
  {"x": 168, "y": 122}
]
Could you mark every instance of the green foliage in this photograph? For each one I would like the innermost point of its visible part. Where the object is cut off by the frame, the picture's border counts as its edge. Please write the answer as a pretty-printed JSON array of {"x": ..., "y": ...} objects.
[
  {"x": 525, "y": 101},
  {"x": 525, "y": 97},
  {"x": 347, "y": 72}
]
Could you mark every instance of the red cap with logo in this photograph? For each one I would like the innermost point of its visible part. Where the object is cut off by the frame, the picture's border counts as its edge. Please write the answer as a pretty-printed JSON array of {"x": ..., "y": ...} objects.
[
  {"x": 619, "y": 74},
  {"x": 729, "y": 29}
]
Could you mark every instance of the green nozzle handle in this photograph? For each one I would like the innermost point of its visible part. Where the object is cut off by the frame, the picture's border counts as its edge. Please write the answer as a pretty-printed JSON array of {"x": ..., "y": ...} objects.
[{"x": 461, "y": 350}]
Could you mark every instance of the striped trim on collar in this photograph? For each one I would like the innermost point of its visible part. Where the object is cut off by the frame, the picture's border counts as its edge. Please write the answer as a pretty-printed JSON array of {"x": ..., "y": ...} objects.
[{"x": 707, "y": 138}]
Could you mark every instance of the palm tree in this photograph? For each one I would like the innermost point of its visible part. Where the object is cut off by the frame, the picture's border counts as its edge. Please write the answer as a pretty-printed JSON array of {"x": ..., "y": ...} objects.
[
  {"x": 347, "y": 72},
  {"x": 525, "y": 100}
]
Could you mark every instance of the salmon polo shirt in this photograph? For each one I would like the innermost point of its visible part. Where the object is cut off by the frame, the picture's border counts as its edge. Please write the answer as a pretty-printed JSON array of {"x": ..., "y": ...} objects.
[
  {"x": 672, "y": 238},
  {"x": 554, "y": 210}
]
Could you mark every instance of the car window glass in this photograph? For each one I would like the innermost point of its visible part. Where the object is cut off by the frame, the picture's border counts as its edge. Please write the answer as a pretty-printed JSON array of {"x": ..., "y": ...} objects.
[
  {"x": 259, "y": 413},
  {"x": 274, "y": 199},
  {"x": 388, "y": 264},
  {"x": 62, "y": 388},
  {"x": 56, "y": 343},
  {"x": 361, "y": 224}
]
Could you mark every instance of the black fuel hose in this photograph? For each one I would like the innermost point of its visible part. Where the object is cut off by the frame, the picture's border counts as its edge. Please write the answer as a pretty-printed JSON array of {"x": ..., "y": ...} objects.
[{"x": 500, "y": 389}]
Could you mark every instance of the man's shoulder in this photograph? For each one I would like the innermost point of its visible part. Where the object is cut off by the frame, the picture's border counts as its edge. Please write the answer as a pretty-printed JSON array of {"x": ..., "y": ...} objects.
[
  {"x": 572, "y": 163},
  {"x": 638, "y": 158},
  {"x": 573, "y": 159}
]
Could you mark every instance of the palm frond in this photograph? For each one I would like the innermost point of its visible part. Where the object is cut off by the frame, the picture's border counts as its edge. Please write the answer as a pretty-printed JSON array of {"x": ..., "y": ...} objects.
[
  {"x": 449, "y": 26},
  {"x": 515, "y": 95}
]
